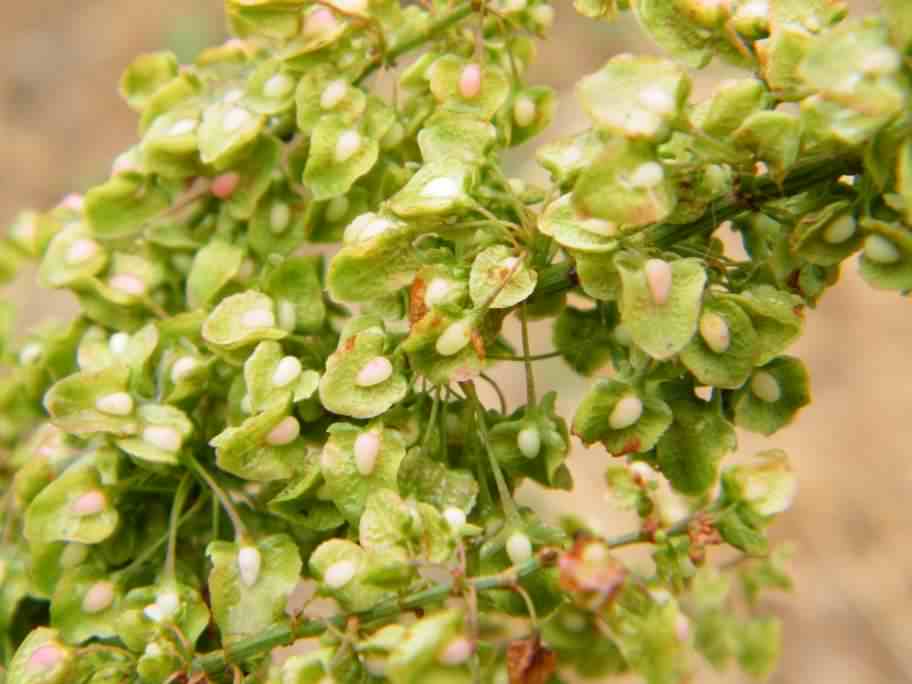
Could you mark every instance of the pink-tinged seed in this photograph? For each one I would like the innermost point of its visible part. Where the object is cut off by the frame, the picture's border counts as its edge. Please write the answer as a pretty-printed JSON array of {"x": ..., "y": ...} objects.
[
  {"x": 223, "y": 186},
  {"x": 46, "y": 657},
  {"x": 658, "y": 278},
  {"x": 90, "y": 503},
  {"x": 470, "y": 81}
]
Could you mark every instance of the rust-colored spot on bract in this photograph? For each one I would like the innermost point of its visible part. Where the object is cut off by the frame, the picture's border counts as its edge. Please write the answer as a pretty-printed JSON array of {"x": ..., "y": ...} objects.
[
  {"x": 530, "y": 662},
  {"x": 417, "y": 305}
]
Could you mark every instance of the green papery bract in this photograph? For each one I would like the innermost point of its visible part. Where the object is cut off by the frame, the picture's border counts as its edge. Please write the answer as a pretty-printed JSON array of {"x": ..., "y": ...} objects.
[
  {"x": 775, "y": 315},
  {"x": 432, "y": 482},
  {"x": 447, "y": 135},
  {"x": 355, "y": 594},
  {"x": 241, "y": 609},
  {"x": 625, "y": 185},
  {"x": 592, "y": 422},
  {"x": 447, "y": 76},
  {"x": 774, "y": 138},
  {"x": 226, "y": 132},
  {"x": 145, "y": 75},
  {"x": 575, "y": 231},
  {"x": 54, "y": 514},
  {"x": 136, "y": 625},
  {"x": 72, "y": 402},
  {"x": 889, "y": 276},
  {"x": 809, "y": 238},
  {"x": 322, "y": 92},
  {"x": 241, "y": 320},
  {"x": 499, "y": 279},
  {"x": 214, "y": 266},
  {"x": 417, "y": 651},
  {"x": 767, "y": 414},
  {"x": 295, "y": 285},
  {"x": 61, "y": 267},
  {"x": 121, "y": 206},
  {"x": 439, "y": 188},
  {"x": 730, "y": 106},
  {"x": 662, "y": 327},
  {"x": 340, "y": 153},
  {"x": 347, "y": 483},
  {"x": 585, "y": 338},
  {"x": 244, "y": 450},
  {"x": 158, "y": 417},
  {"x": 339, "y": 389},
  {"x": 256, "y": 171},
  {"x": 728, "y": 369},
  {"x": 72, "y": 611},
  {"x": 566, "y": 158},
  {"x": 635, "y": 97},
  {"x": 22, "y": 670}
]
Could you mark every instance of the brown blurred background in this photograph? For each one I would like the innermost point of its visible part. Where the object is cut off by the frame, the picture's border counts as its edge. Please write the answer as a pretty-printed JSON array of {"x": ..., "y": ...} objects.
[{"x": 61, "y": 123}]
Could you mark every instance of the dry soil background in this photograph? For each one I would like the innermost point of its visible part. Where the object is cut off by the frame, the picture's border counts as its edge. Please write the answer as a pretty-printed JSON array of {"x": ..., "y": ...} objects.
[{"x": 61, "y": 122}]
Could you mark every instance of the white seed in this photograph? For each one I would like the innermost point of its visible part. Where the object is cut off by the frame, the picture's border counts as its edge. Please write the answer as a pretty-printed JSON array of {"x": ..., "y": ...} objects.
[
  {"x": 90, "y": 503},
  {"x": 98, "y": 598},
  {"x": 765, "y": 387},
  {"x": 119, "y": 342},
  {"x": 880, "y": 61},
  {"x": 880, "y": 250},
  {"x": 626, "y": 412},
  {"x": 524, "y": 111},
  {"x": 333, "y": 94},
  {"x": 258, "y": 318},
  {"x": 715, "y": 332},
  {"x": 182, "y": 368},
  {"x": 74, "y": 202},
  {"x": 347, "y": 145},
  {"x": 351, "y": 6},
  {"x": 339, "y": 574},
  {"x": 337, "y": 209},
  {"x": 367, "y": 448},
  {"x": 183, "y": 127},
  {"x": 519, "y": 548},
  {"x": 285, "y": 432},
  {"x": 320, "y": 21},
  {"x": 249, "y": 560},
  {"x": 373, "y": 228},
  {"x": 529, "y": 441},
  {"x": 169, "y": 602},
  {"x": 517, "y": 185},
  {"x": 288, "y": 370},
  {"x": 278, "y": 86},
  {"x": 840, "y": 230},
  {"x": 45, "y": 657},
  {"x": 456, "y": 517},
  {"x": 470, "y": 81},
  {"x": 454, "y": 339},
  {"x": 128, "y": 284},
  {"x": 236, "y": 118},
  {"x": 515, "y": 5},
  {"x": 682, "y": 628},
  {"x": 153, "y": 650},
  {"x": 595, "y": 553},
  {"x": 442, "y": 188},
  {"x": 658, "y": 279},
  {"x": 30, "y": 353},
  {"x": 456, "y": 652},
  {"x": 543, "y": 15},
  {"x": 377, "y": 370},
  {"x": 642, "y": 471},
  {"x": 436, "y": 292},
  {"x": 643, "y": 122},
  {"x": 163, "y": 437},
  {"x": 81, "y": 251},
  {"x": 233, "y": 95},
  {"x": 288, "y": 314},
  {"x": 153, "y": 612},
  {"x": 73, "y": 554},
  {"x": 279, "y": 217},
  {"x": 116, "y": 404},
  {"x": 758, "y": 9},
  {"x": 647, "y": 175},
  {"x": 657, "y": 100}
]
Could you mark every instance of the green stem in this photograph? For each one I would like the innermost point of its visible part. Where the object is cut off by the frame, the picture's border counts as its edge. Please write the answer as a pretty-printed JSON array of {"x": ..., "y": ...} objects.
[
  {"x": 152, "y": 549},
  {"x": 531, "y": 357},
  {"x": 561, "y": 276},
  {"x": 240, "y": 530},
  {"x": 506, "y": 498},
  {"x": 285, "y": 633},
  {"x": 180, "y": 497},
  {"x": 531, "y": 397},
  {"x": 435, "y": 28}
]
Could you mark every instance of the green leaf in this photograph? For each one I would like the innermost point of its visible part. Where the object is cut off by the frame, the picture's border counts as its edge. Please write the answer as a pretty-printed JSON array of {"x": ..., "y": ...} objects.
[
  {"x": 164, "y": 430},
  {"x": 660, "y": 302},
  {"x": 774, "y": 138},
  {"x": 250, "y": 584},
  {"x": 422, "y": 642},
  {"x": 351, "y": 388},
  {"x": 828, "y": 236},
  {"x": 886, "y": 262},
  {"x": 621, "y": 417},
  {"x": 775, "y": 315},
  {"x": 690, "y": 30},
  {"x": 468, "y": 87},
  {"x": 151, "y": 613},
  {"x": 760, "y": 645},
  {"x": 689, "y": 452},
  {"x": 295, "y": 286},
  {"x": 121, "y": 206},
  {"x": 145, "y": 75},
  {"x": 85, "y": 605},
  {"x": 731, "y": 104},
  {"x": 356, "y": 462},
  {"x": 227, "y": 131},
  {"x": 585, "y": 338},
  {"x": 250, "y": 450},
  {"x": 774, "y": 395},
  {"x": 433, "y": 482}
]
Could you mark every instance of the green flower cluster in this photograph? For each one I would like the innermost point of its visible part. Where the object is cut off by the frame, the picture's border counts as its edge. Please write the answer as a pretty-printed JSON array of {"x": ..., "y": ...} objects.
[{"x": 233, "y": 418}]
